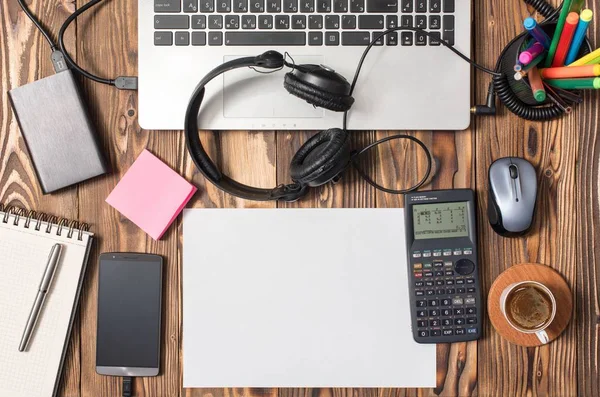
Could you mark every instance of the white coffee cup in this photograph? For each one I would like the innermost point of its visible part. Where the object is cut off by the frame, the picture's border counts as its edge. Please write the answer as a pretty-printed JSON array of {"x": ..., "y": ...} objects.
[{"x": 540, "y": 332}]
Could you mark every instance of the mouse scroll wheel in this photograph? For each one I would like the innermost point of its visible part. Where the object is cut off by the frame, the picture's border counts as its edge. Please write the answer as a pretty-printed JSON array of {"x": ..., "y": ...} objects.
[{"x": 514, "y": 171}]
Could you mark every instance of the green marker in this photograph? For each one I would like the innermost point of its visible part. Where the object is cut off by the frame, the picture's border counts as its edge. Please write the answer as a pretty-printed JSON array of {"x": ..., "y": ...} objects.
[
  {"x": 564, "y": 11},
  {"x": 576, "y": 84}
]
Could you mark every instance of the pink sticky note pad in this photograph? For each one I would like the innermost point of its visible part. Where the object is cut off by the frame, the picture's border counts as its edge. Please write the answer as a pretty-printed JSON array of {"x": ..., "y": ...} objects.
[{"x": 151, "y": 194}]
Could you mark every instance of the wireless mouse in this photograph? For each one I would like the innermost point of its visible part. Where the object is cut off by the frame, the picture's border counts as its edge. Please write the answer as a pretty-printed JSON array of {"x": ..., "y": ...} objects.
[{"x": 511, "y": 196}]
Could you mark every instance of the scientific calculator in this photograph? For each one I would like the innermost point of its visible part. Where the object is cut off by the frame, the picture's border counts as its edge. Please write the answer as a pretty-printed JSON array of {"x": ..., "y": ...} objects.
[{"x": 441, "y": 241}]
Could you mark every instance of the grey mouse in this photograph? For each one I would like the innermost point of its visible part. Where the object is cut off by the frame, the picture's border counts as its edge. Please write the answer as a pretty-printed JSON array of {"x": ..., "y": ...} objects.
[{"x": 512, "y": 196}]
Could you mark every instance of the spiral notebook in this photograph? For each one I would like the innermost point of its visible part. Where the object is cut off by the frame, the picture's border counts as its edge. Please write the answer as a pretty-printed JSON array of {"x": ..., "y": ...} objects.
[{"x": 25, "y": 242}]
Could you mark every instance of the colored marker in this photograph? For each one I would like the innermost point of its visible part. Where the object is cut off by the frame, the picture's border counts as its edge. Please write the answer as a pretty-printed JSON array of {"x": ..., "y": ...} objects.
[
  {"x": 576, "y": 84},
  {"x": 566, "y": 72},
  {"x": 537, "y": 32},
  {"x": 529, "y": 54},
  {"x": 536, "y": 61},
  {"x": 518, "y": 76},
  {"x": 565, "y": 39},
  {"x": 584, "y": 21},
  {"x": 537, "y": 87},
  {"x": 576, "y": 6},
  {"x": 518, "y": 66},
  {"x": 590, "y": 59},
  {"x": 564, "y": 11}
]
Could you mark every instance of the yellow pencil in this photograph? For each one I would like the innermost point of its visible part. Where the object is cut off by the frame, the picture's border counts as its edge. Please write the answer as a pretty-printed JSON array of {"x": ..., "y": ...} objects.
[{"x": 588, "y": 59}]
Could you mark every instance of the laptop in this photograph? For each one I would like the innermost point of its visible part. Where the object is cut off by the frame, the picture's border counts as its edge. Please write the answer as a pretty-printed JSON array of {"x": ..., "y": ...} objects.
[{"x": 409, "y": 81}]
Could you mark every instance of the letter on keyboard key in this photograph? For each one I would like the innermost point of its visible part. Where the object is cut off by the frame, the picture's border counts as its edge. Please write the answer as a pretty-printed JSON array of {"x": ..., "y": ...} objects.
[
  {"x": 273, "y": 5},
  {"x": 370, "y": 22},
  {"x": 290, "y": 5},
  {"x": 323, "y": 5},
  {"x": 265, "y": 38},
  {"x": 171, "y": 22},
  {"x": 163, "y": 38},
  {"x": 167, "y": 5},
  {"x": 223, "y": 5},
  {"x": 190, "y": 5},
  {"x": 382, "y": 6},
  {"x": 356, "y": 38},
  {"x": 248, "y": 21},
  {"x": 199, "y": 22},
  {"x": 299, "y": 22},
  {"x": 240, "y": 5},
  {"x": 307, "y": 6}
]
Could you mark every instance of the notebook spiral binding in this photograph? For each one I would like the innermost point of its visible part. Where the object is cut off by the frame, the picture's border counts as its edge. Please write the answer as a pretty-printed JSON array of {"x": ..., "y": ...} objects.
[{"x": 39, "y": 218}]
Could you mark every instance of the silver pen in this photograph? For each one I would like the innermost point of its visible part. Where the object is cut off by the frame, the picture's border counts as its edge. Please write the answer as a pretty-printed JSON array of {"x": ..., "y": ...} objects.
[{"x": 36, "y": 309}]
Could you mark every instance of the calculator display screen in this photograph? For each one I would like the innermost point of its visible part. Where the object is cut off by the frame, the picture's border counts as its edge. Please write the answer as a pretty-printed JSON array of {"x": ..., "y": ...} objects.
[{"x": 440, "y": 220}]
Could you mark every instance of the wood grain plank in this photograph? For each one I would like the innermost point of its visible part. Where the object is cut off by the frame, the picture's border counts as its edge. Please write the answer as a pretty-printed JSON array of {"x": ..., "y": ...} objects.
[{"x": 24, "y": 58}]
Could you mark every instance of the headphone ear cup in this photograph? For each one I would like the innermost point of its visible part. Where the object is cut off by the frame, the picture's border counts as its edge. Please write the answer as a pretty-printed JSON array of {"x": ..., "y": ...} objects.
[
  {"x": 315, "y": 95},
  {"x": 321, "y": 158}
]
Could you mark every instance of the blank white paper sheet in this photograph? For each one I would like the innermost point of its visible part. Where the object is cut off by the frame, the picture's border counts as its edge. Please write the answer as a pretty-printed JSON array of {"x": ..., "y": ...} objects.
[{"x": 298, "y": 297}]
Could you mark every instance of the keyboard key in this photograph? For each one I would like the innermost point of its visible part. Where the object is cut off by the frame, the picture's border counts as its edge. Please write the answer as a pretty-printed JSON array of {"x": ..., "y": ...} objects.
[
  {"x": 472, "y": 320},
  {"x": 215, "y": 38},
  {"x": 459, "y": 321},
  {"x": 190, "y": 5},
  {"x": 386, "y": 6},
  {"x": 232, "y": 22},
  {"x": 448, "y": 5},
  {"x": 282, "y": 22},
  {"x": 298, "y": 21},
  {"x": 290, "y": 6},
  {"x": 248, "y": 21},
  {"x": 358, "y": 6},
  {"x": 371, "y": 22},
  {"x": 323, "y": 5},
  {"x": 223, "y": 5},
  {"x": 459, "y": 331},
  {"x": 198, "y": 21},
  {"x": 447, "y": 322},
  {"x": 273, "y": 5},
  {"x": 163, "y": 38},
  {"x": 434, "y": 323},
  {"x": 421, "y": 323},
  {"x": 421, "y": 21},
  {"x": 257, "y": 5},
  {"x": 419, "y": 293},
  {"x": 407, "y": 5},
  {"x": 332, "y": 21},
  {"x": 434, "y": 302},
  {"x": 406, "y": 21},
  {"x": 340, "y": 6},
  {"x": 265, "y": 38},
  {"x": 307, "y": 6},
  {"x": 434, "y": 22},
  {"x": 434, "y": 313},
  {"x": 421, "y": 6},
  {"x": 446, "y": 302},
  {"x": 471, "y": 310},
  {"x": 420, "y": 313},
  {"x": 356, "y": 38},
  {"x": 459, "y": 312},
  {"x": 407, "y": 40},
  {"x": 316, "y": 22},
  {"x": 421, "y": 303},
  {"x": 447, "y": 332},
  {"x": 391, "y": 21},
  {"x": 207, "y": 5},
  {"x": 167, "y": 5},
  {"x": 436, "y": 6},
  {"x": 348, "y": 21},
  {"x": 446, "y": 312},
  {"x": 436, "y": 332},
  {"x": 240, "y": 5},
  {"x": 265, "y": 21},
  {"x": 182, "y": 38},
  {"x": 423, "y": 333},
  {"x": 448, "y": 36},
  {"x": 215, "y": 22},
  {"x": 332, "y": 38},
  {"x": 198, "y": 38},
  {"x": 171, "y": 22}
]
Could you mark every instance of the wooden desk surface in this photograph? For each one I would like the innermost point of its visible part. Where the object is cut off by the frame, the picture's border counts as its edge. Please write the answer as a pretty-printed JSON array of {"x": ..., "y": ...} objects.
[{"x": 565, "y": 152}]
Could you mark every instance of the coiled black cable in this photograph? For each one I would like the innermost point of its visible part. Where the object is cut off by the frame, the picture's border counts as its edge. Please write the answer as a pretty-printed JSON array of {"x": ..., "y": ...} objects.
[{"x": 542, "y": 6}]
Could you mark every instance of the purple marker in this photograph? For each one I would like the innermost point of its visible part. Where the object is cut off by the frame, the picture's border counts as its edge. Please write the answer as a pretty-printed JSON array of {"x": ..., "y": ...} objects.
[
  {"x": 529, "y": 54},
  {"x": 538, "y": 33}
]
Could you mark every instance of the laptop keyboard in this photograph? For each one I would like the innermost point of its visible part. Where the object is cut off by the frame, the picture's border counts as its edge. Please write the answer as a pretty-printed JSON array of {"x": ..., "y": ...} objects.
[{"x": 301, "y": 22}]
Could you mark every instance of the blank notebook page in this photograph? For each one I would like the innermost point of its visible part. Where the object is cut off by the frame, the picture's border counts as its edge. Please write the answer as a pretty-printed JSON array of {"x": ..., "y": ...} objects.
[
  {"x": 23, "y": 258},
  {"x": 298, "y": 297}
]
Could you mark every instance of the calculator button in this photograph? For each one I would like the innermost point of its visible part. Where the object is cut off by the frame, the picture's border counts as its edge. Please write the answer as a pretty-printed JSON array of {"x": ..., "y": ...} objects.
[
  {"x": 457, "y": 252},
  {"x": 469, "y": 301},
  {"x": 438, "y": 263},
  {"x": 448, "y": 264},
  {"x": 441, "y": 292},
  {"x": 459, "y": 331},
  {"x": 418, "y": 283},
  {"x": 459, "y": 312},
  {"x": 471, "y": 310},
  {"x": 447, "y": 252},
  {"x": 434, "y": 313},
  {"x": 472, "y": 320},
  {"x": 416, "y": 254},
  {"x": 468, "y": 251},
  {"x": 428, "y": 274},
  {"x": 437, "y": 253},
  {"x": 423, "y": 334},
  {"x": 464, "y": 267},
  {"x": 450, "y": 291},
  {"x": 446, "y": 322},
  {"x": 421, "y": 303},
  {"x": 427, "y": 266},
  {"x": 436, "y": 332},
  {"x": 430, "y": 292},
  {"x": 421, "y": 313},
  {"x": 422, "y": 323},
  {"x": 471, "y": 290},
  {"x": 447, "y": 332},
  {"x": 449, "y": 282},
  {"x": 460, "y": 290},
  {"x": 426, "y": 254},
  {"x": 457, "y": 301},
  {"x": 449, "y": 273},
  {"x": 434, "y": 323},
  {"x": 446, "y": 312},
  {"x": 459, "y": 321},
  {"x": 460, "y": 281},
  {"x": 419, "y": 293},
  {"x": 471, "y": 330},
  {"x": 446, "y": 302},
  {"x": 434, "y": 302},
  {"x": 439, "y": 282},
  {"x": 418, "y": 274},
  {"x": 429, "y": 283},
  {"x": 470, "y": 281},
  {"x": 417, "y": 266},
  {"x": 439, "y": 273}
]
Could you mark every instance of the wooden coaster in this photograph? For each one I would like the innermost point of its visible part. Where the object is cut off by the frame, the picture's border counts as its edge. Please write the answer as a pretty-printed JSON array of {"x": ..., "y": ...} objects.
[{"x": 533, "y": 272}]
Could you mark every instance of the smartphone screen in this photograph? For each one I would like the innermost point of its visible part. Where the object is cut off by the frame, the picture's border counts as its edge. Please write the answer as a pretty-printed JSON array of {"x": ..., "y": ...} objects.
[{"x": 129, "y": 314}]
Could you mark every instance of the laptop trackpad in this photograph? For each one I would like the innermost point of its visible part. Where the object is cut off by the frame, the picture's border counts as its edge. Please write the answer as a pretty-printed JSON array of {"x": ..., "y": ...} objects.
[{"x": 249, "y": 94}]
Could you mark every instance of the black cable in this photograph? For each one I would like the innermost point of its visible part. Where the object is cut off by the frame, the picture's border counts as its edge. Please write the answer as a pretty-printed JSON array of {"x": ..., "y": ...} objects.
[
  {"x": 127, "y": 390},
  {"x": 38, "y": 25}
]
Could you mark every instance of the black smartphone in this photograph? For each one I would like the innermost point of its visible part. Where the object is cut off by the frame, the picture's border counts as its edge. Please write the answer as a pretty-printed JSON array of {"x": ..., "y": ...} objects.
[{"x": 129, "y": 314}]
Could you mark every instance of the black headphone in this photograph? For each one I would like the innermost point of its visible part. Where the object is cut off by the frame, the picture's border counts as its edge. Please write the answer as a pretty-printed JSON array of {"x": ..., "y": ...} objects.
[{"x": 321, "y": 159}]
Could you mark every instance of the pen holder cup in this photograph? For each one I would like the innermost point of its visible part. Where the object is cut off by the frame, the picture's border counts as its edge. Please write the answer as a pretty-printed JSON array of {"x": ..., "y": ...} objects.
[{"x": 511, "y": 56}]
